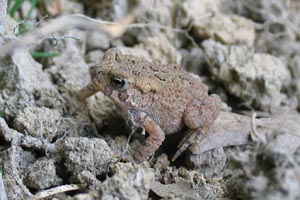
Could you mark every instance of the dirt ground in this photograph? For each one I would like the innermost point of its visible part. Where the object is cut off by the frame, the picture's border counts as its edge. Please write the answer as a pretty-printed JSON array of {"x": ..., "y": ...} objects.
[{"x": 247, "y": 52}]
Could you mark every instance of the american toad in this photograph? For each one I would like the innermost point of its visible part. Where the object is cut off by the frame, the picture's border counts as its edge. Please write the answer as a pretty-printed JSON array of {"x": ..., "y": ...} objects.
[{"x": 162, "y": 99}]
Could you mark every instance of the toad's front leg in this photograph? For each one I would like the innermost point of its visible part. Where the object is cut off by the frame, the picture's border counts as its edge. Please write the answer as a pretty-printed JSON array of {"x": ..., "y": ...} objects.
[
  {"x": 152, "y": 143},
  {"x": 87, "y": 91},
  {"x": 76, "y": 104}
]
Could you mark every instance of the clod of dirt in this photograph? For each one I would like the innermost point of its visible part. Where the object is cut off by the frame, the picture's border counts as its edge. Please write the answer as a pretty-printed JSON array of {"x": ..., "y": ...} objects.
[
  {"x": 113, "y": 10},
  {"x": 293, "y": 51},
  {"x": 62, "y": 7},
  {"x": 209, "y": 22},
  {"x": 25, "y": 8},
  {"x": 288, "y": 13},
  {"x": 159, "y": 14},
  {"x": 25, "y": 84},
  {"x": 14, "y": 162},
  {"x": 228, "y": 29},
  {"x": 94, "y": 56},
  {"x": 101, "y": 109},
  {"x": 193, "y": 59},
  {"x": 209, "y": 163},
  {"x": 10, "y": 26},
  {"x": 41, "y": 174},
  {"x": 39, "y": 122},
  {"x": 89, "y": 196},
  {"x": 97, "y": 40},
  {"x": 188, "y": 185},
  {"x": 128, "y": 182},
  {"x": 196, "y": 10},
  {"x": 117, "y": 144},
  {"x": 48, "y": 124},
  {"x": 87, "y": 177},
  {"x": 6, "y": 133},
  {"x": 164, "y": 173},
  {"x": 156, "y": 49},
  {"x": 139, "y": 52},
  {"x": 255, "y": 78},
  {"x": 85, "y": 154},
  {"x": 161, "y": 50},
  {"x": 268, "y": 173},
  {"x": 29, "y": 74},
  {"x": 69, "y": 70},
  {"x": 173, "y": 183}
]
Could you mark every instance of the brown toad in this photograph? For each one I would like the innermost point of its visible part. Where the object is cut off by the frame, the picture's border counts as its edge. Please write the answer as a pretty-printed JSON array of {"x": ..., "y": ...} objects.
[{"x": 162, "y": 99}]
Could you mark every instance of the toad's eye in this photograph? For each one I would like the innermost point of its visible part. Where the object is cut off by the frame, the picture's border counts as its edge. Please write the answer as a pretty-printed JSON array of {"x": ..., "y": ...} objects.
[{"x": 118, "y": 82}]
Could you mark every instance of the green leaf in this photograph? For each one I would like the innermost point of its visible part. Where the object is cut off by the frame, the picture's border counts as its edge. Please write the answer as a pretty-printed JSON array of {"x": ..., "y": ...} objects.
[
  {"x": 15, "y": 7},
  {"x": 33, "y": 5},
  {"x": 1, "y": 167},
  {"x": 2, "y": 113},
  {"x": 9, "y": 2},
  {"x": 36, "y": 54}
]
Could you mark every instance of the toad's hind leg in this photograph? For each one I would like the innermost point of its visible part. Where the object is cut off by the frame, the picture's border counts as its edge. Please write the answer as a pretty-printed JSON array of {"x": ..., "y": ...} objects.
[{"x": 199, "y": 115}]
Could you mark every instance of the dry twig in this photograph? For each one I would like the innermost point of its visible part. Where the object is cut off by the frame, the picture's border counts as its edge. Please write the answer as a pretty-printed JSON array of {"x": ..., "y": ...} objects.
[
  {"x": 254, "y": 134},
  {"x": 57, "y": 190},
  {"x": 79, "y": 21}
]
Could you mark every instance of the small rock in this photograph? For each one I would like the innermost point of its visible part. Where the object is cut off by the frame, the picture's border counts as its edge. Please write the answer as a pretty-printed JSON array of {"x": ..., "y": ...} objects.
[
  {"x": 41, "y": 174},
  {"x": 228, "y": 29},
  {"x": 94, "y": 56},
  {"x": 97, "y": 40},
  {"x": 85, "y": 154},
  {"x": 255, "y": 78}
]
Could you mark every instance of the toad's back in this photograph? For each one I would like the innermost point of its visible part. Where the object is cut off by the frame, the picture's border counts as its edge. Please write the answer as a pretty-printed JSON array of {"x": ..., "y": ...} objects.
[{"x": 178, "y": 89}]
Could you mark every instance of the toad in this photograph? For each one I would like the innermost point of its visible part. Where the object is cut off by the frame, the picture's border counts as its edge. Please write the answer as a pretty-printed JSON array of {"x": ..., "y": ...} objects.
[{"x": 162, "y": 99}]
